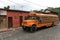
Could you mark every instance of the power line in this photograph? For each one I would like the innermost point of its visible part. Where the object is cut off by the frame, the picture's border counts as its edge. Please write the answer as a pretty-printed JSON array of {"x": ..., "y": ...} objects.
[
  {"x": 35, "y": 4},
  {"x": 17, "y": 4},
  {"x": 26, "y": 1},
  {"x": 29, "y": 2},
  {"x": 13, "y": 2}
]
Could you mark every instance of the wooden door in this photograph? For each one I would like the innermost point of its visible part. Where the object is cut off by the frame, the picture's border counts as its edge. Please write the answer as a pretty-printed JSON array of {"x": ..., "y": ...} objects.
[
  {"x": 10, "y": 22},
  {"x": 21, "y": 19}
]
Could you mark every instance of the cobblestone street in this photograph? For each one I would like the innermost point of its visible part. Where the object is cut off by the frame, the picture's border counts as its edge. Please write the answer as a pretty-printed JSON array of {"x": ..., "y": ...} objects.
[{"x": 52, "y": 33}]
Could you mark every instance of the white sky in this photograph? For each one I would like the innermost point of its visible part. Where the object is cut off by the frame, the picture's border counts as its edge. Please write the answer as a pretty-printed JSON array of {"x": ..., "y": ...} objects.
[{"x": 27, "y": 5}]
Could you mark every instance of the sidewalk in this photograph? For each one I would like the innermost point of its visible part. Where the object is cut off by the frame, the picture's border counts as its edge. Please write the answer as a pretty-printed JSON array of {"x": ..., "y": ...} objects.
[{"x": 9, "y": 29}]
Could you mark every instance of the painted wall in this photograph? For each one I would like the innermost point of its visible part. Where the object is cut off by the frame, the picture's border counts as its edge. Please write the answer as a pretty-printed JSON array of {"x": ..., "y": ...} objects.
[
  {"x": 3, "y": 12},
  {"x": 16, "y": 17}
]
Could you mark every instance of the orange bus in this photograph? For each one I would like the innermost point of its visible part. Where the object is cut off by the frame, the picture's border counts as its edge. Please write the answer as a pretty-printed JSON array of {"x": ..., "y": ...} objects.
[{"x": 36, "y": 20}]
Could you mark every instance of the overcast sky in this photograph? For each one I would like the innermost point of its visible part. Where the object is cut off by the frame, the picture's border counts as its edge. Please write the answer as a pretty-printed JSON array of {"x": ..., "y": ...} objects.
[{"x": 30, "y": 4}]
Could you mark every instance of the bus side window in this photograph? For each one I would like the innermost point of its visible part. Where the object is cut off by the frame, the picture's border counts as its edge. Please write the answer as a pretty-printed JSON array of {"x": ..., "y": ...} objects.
[{"x": 39, "y": 19}]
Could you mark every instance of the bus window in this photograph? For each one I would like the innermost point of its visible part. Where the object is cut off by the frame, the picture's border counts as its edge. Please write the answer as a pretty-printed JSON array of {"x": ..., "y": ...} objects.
[
  {"x": 31, "y": 18},
  {"x": 45, "y": 18}
]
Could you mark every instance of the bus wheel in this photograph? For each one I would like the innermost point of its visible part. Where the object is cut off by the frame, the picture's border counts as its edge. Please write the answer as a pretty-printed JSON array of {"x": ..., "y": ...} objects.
[{"x": 33, "y": 28}]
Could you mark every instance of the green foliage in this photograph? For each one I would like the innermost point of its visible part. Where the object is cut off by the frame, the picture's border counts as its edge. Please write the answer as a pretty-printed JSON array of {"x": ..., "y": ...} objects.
[
  {"x": 7, "y": 8},
  {"x": 55, "y": 10}
]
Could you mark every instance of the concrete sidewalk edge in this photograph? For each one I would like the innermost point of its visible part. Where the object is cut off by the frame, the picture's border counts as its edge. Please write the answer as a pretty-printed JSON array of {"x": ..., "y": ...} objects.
[{"x": 9, "y": 29}]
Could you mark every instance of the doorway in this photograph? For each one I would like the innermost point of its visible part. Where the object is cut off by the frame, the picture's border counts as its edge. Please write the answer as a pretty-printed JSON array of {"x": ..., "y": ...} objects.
[
  {"x": 2, "y": 21},
  {"x": 10, "y": 22},
  {"x": 21, "y": 20}
]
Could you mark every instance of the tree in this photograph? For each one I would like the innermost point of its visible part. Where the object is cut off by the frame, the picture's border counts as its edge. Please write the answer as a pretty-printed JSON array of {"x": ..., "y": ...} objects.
[
  {"x": 55, "y": 10},
  {"x": 7, "y": 8}
]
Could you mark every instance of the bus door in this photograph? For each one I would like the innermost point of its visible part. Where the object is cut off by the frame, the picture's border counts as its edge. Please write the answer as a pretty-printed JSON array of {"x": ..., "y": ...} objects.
[
  {"x": 43, "y": 20},
  {"x": 40, "y": 21}
]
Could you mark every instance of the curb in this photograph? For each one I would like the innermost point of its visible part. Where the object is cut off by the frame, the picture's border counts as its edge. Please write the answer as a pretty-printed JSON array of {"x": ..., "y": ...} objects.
[
  {"x": 11, "y": 29},
  {"x": 7, "y": 30}
]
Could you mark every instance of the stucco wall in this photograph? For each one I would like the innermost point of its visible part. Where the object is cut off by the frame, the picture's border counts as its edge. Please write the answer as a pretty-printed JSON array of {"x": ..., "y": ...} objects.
[{"x": 16, "y": 16}]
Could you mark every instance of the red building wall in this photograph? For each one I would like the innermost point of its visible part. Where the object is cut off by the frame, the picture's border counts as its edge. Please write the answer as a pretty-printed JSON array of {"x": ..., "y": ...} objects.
[{"x": 16, "y": 17}]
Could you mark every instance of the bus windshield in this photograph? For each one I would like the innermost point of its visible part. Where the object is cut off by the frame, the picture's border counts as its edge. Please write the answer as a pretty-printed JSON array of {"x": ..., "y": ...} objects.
[{"x": 31, "y": 18}]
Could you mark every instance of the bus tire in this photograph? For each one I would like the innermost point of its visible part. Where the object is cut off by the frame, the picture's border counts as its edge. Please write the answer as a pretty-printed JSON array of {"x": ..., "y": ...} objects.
[{"x": 33, "y": 28}]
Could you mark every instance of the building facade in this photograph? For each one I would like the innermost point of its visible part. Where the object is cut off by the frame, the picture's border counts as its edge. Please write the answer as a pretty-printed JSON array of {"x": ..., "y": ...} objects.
[{"x": 11, "y": 18}]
